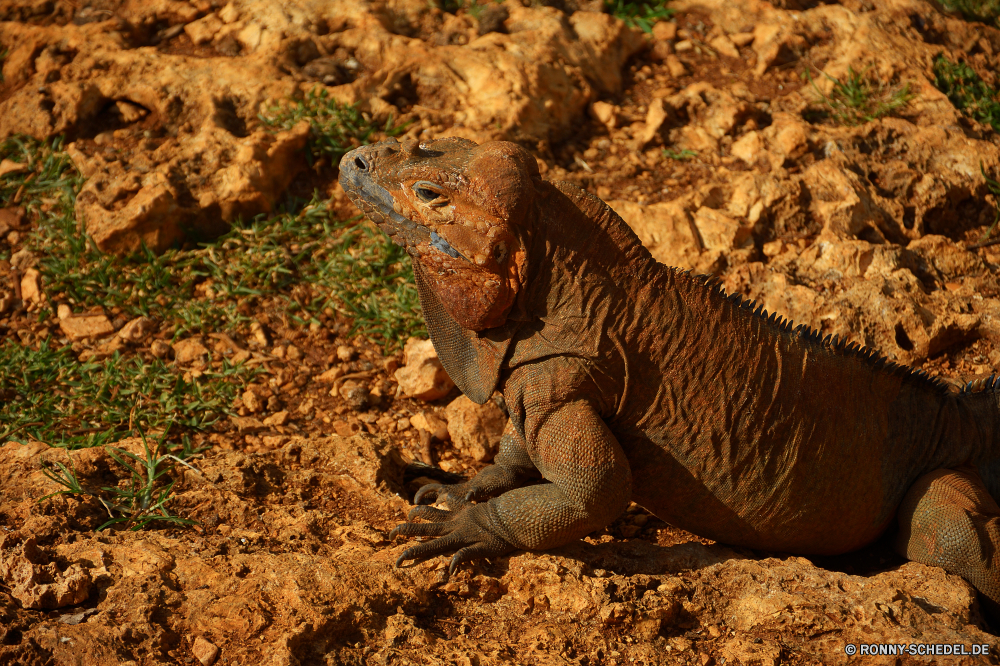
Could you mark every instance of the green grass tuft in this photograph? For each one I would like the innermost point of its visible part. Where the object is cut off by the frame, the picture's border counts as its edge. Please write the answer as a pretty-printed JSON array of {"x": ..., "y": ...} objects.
[
  {"x": 994, "y": 187},
  {"x": 143, "y": 500},
  {"x": 986, "y": 11},
  {"x": 335, "y": 128},
  {"x": 859, "y": 99},
  {"x": 52, "y": 397},
  {"x": 681, "y": 155},
  {"x": 642, "y": 15},
  {"x": 967, "y": 91}
]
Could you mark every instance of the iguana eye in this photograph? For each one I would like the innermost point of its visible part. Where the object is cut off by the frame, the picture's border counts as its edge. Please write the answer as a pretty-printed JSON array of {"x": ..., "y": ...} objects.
[{"x": 428, "y": 192}]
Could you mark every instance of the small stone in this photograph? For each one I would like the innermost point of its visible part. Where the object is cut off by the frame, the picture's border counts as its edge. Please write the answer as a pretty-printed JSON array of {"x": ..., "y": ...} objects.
[
  {"x": 773, "y": 248},
  {"x": 654, "y": 120},
  {"x": 246, "y": 424},
  {"x": 204, "y": 29},
  {"x": 606, "y": 114},
  {"x": 346, "y": 353},
  {"x": 748, "y": 147},
  {"x": 83, "y": 326},
  {"x": 279, "y": 351},
  {"x": 422, "y": 376},
  {"x": 277, "y": 419},
  {"x": 10, "y": 218},
  {"x": 252, "y": 401},
  {"x": 355, "y": 395},
  {"x": 674, "y": 64},
  {"x": 204, "y": 651},
  {"x": 330, "y": 376},
  {"x": 5, "y": 303},
  {"x": 403, "y": 424},
  {"x": 31, "y": 286},
  {"x": 664, "y": 30},
  {"x": 724, "y": 46},
  {"x": 10, "y": 166},
  {"x": 229, "y": 13},
  {"x": 293, "y": 353},
  {"x": 22, "y": 259},
  {"x": 259, "y": 334},
  {"x": 274, "y": 441},
  {"x": 615, "y": 613},
  {"x": 741, "y": 38},
  {"x": 129, "y": 112},
  {"x": 137, "y": 330},
  {"x": 274, "y": 403},
  {"x": 475, "y": 429},
  {"x": 160, "y": 349},
  {"x": 190, "y": 351},
  {"x": 437, "y": 427}
]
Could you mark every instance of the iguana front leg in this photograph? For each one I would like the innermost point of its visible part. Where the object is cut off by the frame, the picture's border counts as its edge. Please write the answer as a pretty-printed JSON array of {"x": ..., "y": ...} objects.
[
  {"x": 511, "y": 468},
  {"x": 589, "y": 485}
]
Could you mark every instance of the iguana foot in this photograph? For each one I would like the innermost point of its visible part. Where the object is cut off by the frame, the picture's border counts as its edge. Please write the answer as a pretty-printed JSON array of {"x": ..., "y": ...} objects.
[
  {"x": 466, "y": 530},
  {"x": 455, "y": 495},
  {"x": 948, "y": 519}
]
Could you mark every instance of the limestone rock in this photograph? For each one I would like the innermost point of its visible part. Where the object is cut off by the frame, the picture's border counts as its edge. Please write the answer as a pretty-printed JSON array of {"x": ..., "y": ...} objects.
[
  {"x": 31, "y": 286},
  {"x": 665, "y": 229},
  {"x": 190, "y": 351},
  {"x": 217, "y": 163},
  {"x": 422, "y": 375},
  {"x": 204, "y": 651},
  {"x": 437, "y": 427},
  {"x": 475, "y": 429},
  {"x": 137, "y": 330},
  {"x": 39, "y": 584},
  {"x": 86, "y": 325}
]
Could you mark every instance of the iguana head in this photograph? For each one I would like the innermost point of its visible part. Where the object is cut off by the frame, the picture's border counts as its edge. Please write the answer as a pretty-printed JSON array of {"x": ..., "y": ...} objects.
[{"x": 460, "y": 209}]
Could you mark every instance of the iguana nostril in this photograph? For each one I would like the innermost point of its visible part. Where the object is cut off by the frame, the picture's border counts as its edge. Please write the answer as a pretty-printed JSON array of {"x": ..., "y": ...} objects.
[{"x": 360, "y": 163}]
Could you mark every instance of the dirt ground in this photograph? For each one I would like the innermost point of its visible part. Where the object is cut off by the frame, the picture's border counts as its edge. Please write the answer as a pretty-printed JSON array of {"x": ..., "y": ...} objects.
[{"x": 706, "y": 135}]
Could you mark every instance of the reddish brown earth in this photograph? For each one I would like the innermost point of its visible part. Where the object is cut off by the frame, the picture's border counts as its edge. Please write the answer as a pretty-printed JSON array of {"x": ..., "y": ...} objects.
[{"x": 863, "y": 231}]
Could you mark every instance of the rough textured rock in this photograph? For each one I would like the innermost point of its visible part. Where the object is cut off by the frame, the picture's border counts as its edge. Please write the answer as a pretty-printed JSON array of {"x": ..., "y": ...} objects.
[
  {"x": 867, "y": 232},
  {"x": 316, "y": 576},
  {"x": 85, "y": 325},
  {"x": 475, "y": 429},
  {"x": 422, "y": 375},
  {"x": 171, "y": 144}
]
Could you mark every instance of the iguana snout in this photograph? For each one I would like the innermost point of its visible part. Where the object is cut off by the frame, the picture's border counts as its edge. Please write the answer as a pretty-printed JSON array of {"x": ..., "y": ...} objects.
[{"x": 460, "y": 209}]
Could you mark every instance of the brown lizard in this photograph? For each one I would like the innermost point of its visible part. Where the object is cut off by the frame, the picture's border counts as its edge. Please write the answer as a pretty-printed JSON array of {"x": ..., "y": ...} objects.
[{"x": 629, "y": 380}]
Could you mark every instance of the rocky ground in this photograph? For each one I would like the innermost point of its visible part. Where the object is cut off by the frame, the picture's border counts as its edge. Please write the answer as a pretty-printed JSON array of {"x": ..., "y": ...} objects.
[{"x": 722, "y": 138}]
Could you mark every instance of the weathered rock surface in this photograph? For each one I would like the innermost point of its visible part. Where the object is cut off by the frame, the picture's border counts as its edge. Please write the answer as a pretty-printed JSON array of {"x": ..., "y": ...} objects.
[
  {"x": 422, "y": 375},
  {"x": 287, "y": 581},
  {"x": 475, "y": 429},
  {"x": 867, "y": 232},
  {"x": 171, "y": 144}
]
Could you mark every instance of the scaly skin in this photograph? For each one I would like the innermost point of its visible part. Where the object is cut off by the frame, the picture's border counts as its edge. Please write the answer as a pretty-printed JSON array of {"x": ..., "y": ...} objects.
[{"x": 628, "y": 380}]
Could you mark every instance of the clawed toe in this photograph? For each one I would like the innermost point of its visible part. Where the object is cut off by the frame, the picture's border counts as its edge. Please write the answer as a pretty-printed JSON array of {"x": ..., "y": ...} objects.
[{"x": 430, "y": 513}]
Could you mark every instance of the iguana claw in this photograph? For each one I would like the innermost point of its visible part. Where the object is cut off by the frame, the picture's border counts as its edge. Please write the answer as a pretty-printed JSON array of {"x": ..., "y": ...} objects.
[
  {"x": 456, "y": 496},
  {"x": 456, "y": 530}
]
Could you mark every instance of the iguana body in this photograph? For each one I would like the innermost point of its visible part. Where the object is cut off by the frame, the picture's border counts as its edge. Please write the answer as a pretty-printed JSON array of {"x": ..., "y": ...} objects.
[{"x": 628, "y": 380}]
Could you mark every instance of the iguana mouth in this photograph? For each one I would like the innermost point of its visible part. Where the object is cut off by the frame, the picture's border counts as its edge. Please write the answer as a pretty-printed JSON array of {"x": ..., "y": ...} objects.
[{"x": 357, "y": 169}]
